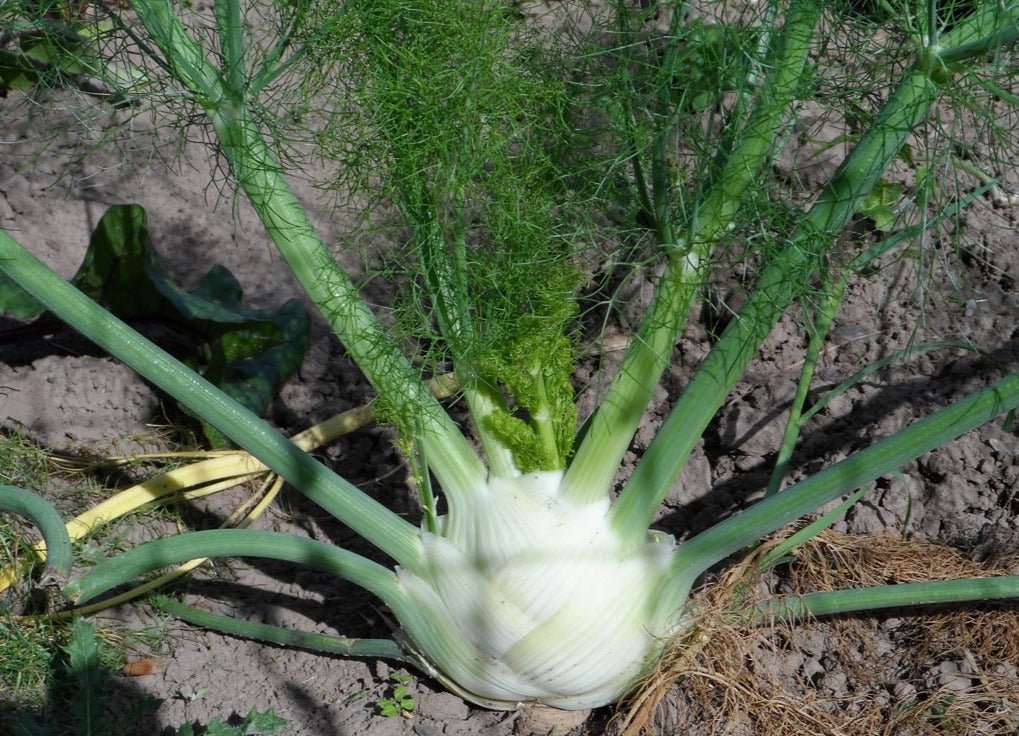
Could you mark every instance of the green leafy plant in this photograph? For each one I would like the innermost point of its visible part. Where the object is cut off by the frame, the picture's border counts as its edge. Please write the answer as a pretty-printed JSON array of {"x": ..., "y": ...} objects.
[
  {"x": 249, "y": 353},
  {"x": 399, "y": 702},
  {"x": 77, "y": 701},
  {"x": 56, "y": 44},
  {"x": 255, "y": 723},
  {"x": 880, "y": 205},
  {"x": 530, "y": 580}
]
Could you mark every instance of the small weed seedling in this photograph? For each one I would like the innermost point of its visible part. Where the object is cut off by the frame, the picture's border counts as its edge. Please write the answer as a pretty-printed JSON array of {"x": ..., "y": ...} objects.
[{"x": 400, "y": 702}]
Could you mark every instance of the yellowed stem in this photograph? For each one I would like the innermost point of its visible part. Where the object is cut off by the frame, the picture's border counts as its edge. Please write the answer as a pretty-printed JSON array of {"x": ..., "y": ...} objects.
[{"x": 219, "y": 471}]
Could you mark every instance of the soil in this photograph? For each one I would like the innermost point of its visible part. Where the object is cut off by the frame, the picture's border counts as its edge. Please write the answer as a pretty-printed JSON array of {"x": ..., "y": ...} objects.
[{"x": 66, "y": 395}]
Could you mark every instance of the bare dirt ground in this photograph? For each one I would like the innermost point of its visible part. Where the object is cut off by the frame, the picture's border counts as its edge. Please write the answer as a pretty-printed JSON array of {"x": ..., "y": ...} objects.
[{"x": 66, "y": 395}]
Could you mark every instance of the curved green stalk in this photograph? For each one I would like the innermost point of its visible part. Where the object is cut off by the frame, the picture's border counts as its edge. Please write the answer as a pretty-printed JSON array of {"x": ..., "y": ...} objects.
[
  {"x": 42, "y": 513},
  {"x": 811, "y": 530},
  {"x": 448, "y": 648},
  {"x": 259, "y": 175},
  {"x": 991, "y": 27},
  {"x": 877, "y": 365},
  {"x": 747, "y": 527},
  {"x": 383, "y": 528},
  {"x": 832, "y": 603},
  {"x": 610, "y": 430},
  {"x": 341, "y": 645},
  {"x": 781, "y": 281},
  {"x": 821, "y": 322},
  {"x": 160, "y": 553}
]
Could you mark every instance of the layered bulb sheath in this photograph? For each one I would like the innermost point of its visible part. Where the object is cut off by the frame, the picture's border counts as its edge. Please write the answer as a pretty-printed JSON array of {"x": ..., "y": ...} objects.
[{"x": 530, "y": 597}]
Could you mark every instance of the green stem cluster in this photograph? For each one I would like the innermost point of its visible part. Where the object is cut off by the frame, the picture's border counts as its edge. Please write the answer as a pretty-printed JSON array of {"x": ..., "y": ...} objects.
[
  {"x": 782, "y": 280},
  {"x": 592, "y": 472},
  {"x": 784, "y": 276}
]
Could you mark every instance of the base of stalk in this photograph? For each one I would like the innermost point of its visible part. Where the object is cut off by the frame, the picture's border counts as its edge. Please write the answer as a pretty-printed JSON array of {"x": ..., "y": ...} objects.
[{"x": 543, "y": 720}]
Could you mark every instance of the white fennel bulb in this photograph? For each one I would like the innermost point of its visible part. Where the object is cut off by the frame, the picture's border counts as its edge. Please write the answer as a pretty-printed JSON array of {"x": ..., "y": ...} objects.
[{"x": 529, "y": 597}]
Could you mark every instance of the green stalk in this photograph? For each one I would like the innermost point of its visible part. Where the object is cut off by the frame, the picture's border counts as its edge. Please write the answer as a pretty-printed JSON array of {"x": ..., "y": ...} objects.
[
  {"x": 909, "y": 595},
  {"x": 340, "y": 645},
  {"x": 903, "y": 354},
  {"x": 542, "y": 420},
  {"x": 886, "y": 456},
  {"x": 183, "y": 56},
  {"x": 273, "y": 65},
  {"x": 782, "y": 280},
  {"x": 367, "y": 517},
  {"x": 42, "y": 513},
  {"x": 736, "y": 124},
  {"x": 610, "y": 430},
  {"x": 418, "y": 460},
  {"x": 260, "y": 176},
  {"x": 451, "y": 652},
  {"x": 161, "y": 553},
  {"x": 831, "y": 299},
  {"x": 231, "y": 43},
  {"x": 992, "y": 27},
  {"x": 627, "y": 96}
]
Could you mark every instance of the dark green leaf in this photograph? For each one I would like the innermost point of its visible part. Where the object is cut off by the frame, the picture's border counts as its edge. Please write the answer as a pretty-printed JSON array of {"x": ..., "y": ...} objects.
[
  {"x": 218, "y": 728},
  {"x": 85, "y": 669},
  {"x": 264, "y": 723},
  {"x": 15, "y": 300},
  {"x": 16, "y": 72},
  {"x": 114, "y": 271},
  {"x": 215, "y": 299},
  {"x": 249, "y": 353}
]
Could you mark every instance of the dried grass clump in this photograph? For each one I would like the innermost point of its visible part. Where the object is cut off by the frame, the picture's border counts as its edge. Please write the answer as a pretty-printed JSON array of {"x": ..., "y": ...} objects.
[{"x": 947, "y": 671}]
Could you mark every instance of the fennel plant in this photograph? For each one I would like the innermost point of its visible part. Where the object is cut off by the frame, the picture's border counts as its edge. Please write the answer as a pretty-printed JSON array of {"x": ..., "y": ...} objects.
[{"x": 528, "y": 578}]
